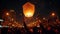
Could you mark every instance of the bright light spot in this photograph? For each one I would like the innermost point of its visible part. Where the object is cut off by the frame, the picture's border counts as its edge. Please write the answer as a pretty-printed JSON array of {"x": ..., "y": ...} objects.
[
  {"x": 11, "y": 10},
  {"x": 1, "y": 20},
  {"x": 3, "y": 26},
  {"x": 38, "y": 26},
  {"x": 0, "y": 26},
  {"x": 53, "y": 14},
  {"x": 29, "y": 14},
  {"x": 39, "y": 20},
  {"x": 33, "y": 23},
  {"x": 13, "y": 25},
  {"x": 49, "y": 28},
  {"x": 7, "y": 13}
]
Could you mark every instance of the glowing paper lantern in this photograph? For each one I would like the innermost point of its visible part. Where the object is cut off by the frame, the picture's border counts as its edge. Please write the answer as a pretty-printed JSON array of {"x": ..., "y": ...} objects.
[{"x": 28, "y": 9}]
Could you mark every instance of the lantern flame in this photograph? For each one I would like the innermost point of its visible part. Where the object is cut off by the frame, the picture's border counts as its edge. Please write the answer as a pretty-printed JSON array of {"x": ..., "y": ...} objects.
[
  {"x": 28, "y": 9},
  {"x": 28, "y": 14}
]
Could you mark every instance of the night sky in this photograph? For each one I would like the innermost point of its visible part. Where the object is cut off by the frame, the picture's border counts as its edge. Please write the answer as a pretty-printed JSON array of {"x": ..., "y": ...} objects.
[{"x": 43, "y": 7}]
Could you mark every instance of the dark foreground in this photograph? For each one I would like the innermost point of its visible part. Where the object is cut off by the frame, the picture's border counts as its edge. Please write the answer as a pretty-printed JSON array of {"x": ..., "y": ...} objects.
[{"x": 34, "y": 30}]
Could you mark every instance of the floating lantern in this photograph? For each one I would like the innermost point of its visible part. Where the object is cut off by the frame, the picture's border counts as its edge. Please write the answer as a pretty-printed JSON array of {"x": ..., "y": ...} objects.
[
  {"x": 28, "y": 9},
  {"x": 53, "y": 14}
]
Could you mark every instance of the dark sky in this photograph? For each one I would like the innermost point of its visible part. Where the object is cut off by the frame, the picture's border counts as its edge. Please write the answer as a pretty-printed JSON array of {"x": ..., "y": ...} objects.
[{"x": 42, "y": 6}]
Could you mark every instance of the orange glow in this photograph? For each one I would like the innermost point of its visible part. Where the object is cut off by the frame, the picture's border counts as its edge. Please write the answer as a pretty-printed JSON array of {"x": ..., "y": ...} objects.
[
  {"x": 53, "y": 14},
  {"x": 28, "y": 14},
  {"x": 7, "y": 13},
  {"x": 28, "y": 9},
  {"x": 12, "y": 19}
]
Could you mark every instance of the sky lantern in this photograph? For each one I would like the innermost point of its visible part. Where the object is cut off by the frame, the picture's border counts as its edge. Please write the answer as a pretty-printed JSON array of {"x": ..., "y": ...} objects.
[
  {"x": 53, "y": 14},
  {"x": 28, "y": 9},
  {"x": 7, "y": 14}
]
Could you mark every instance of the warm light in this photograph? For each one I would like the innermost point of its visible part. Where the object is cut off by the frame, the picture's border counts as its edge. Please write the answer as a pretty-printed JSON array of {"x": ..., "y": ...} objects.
[
  {"x": 43, "y": 18},
  {"x": 23, "y": 26},
  {"x": 28, "y": 14},
  {"x": 38, "y": 25},
  {"x": 53, "y": 14},
  {"x": 7, "y": 13},
  {"x": 28, "y": 9},
  {"x": 12, "y": 19},
  {"x": 13, "y": 25}
]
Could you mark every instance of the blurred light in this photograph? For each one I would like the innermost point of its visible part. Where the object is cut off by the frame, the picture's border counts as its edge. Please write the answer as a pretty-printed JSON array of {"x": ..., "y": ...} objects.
[
  {"x": 44, "y": 18},
  {"x": 23, "y": 26},
  {"x": 1, "y": 19},
  {"x": 53, "y": 14},
  {"x": 49, "y": 28},
  {"x": 10, "y": 26},
  {"x": 0, "y": 26},
  {"x": 28, "y": 9},
  {"x": 33, "y": 23},
  {"x": 7, "y": 14},
  {"x": 29, "y": 14},
  {"x": 31, "y": 30},
  {"x": 15, "y": 22},
  {"x": 38, "y": 26},
  {"x": 13, "y": 25},
  {"x": 12, "y": 19},
  {"x": 3, "y": 26}
]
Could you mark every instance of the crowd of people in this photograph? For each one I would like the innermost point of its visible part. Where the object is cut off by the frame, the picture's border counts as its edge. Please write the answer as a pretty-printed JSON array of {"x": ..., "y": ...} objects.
[{"x": 35, "y": 30}]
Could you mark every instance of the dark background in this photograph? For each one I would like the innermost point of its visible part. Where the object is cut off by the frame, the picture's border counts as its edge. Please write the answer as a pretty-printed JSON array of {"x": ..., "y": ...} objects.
[{"x": 44, "y": 7}]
